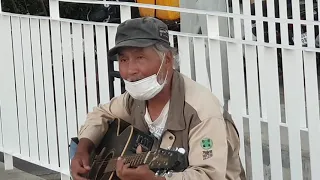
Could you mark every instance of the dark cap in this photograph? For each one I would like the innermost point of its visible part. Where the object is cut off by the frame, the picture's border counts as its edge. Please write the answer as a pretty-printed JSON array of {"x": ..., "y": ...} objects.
[{"x": 140, "y": 32}]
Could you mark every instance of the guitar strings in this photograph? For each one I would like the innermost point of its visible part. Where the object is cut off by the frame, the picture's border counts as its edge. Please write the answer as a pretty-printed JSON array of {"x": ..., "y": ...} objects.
[
  {"x": 125, "y": 157},
  {"x": 113, "y": 160}
]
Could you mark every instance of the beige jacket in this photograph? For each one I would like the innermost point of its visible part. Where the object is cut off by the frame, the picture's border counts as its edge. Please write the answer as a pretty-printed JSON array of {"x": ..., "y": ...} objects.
[{"x": 196, "y": 122}]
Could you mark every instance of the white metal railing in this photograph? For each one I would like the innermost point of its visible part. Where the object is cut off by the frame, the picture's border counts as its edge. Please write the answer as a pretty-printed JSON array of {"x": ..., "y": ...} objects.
[{"x": 44, "y": 95}]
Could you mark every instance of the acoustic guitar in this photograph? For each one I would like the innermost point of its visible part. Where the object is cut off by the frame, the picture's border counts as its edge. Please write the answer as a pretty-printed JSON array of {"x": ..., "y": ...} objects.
[{"x": 122, "y": 139}]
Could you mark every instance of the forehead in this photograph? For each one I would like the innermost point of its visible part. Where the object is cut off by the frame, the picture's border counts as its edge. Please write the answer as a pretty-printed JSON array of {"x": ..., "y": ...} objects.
[{"x": 134, "y": 50}]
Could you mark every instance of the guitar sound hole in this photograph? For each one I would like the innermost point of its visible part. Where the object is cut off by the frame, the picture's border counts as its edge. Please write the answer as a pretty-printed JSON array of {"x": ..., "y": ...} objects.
[{"x": 103, "y": 165}]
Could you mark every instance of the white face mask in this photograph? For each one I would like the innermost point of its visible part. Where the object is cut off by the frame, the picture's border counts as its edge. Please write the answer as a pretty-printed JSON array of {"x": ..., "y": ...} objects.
[{"x": 146, "y": 88}]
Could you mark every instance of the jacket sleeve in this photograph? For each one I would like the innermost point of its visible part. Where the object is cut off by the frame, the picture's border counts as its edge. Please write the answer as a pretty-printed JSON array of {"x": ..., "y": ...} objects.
[
  {"x": 97, "y": 121},
  {"x": 208, "y": 151}
]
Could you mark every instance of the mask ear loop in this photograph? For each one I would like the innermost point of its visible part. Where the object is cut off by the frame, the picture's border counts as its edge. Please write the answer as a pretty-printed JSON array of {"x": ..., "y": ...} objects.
[{"x": 162, "y": 55}]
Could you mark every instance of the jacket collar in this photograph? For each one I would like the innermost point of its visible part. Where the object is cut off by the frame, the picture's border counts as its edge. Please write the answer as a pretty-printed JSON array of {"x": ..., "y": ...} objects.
[
  {"x": 175, "y": 116},
  {"x": 175, "y": 119}
]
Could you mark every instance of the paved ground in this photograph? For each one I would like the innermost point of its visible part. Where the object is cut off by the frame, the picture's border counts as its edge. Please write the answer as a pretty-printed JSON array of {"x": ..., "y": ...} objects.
[
  {"x": 16, "y": 174},
  {"x": 26, "y": 171}
]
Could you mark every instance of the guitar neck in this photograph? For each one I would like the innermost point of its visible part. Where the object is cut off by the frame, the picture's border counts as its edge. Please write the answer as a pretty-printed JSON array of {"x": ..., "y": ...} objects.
[{"x": 134, "y": 160}]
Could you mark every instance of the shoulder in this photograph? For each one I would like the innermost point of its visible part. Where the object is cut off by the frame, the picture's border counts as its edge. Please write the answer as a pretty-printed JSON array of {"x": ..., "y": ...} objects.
[
  {"x": 201, "y": 100},
  {"x": 123, "y": 101}
]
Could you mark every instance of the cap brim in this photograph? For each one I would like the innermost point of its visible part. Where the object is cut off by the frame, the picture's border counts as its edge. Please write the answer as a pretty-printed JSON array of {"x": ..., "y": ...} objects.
[{"x": 132, "y": 43}]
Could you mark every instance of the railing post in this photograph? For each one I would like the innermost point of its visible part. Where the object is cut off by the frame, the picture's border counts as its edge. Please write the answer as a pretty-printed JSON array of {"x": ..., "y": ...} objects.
[
  {"x": 54, "y": 9},
  {"x": 125, "y": 13},
  {"x": 8, "y": 119},
  {"x": 215, "y": 56},
  {"x": 106, "y": 5},
  {"x": 0, "y": 7},
  {"x": 8, "y": 161},
  {"x": 64, "y": 176}
]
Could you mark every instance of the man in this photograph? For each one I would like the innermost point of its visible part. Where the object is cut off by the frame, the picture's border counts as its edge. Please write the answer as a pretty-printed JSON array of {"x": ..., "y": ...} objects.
[{"x": 158, "y": 99}]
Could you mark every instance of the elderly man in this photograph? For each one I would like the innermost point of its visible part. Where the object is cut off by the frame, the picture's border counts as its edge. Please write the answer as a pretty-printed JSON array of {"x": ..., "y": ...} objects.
[{"x": 178, "y": 111}]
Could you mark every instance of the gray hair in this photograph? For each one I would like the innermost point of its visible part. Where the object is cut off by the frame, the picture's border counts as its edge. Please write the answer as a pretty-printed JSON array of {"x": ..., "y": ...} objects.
[{"x": 161, "y": 49}]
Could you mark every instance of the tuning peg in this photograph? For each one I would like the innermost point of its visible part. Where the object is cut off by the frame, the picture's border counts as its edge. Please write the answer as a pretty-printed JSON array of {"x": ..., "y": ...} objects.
[
  {"x": 174, "y": 149},
  {"x": 181, "y": 150},
  {"x": 163, "y": 174},
  {"x": 157, "y": 173},
  {"x": 169, "y": 173},
  {"x": 160, "y": 173}
]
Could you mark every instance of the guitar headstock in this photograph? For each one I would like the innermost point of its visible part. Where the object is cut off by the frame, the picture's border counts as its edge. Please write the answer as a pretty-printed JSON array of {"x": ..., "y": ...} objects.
[{"x": 164, "y": 160}]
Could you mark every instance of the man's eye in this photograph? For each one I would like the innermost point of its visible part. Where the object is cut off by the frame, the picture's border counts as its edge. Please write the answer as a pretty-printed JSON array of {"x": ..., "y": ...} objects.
[
  {"x": 123, "y": 60},
  {"x": 140, "y": 57}
]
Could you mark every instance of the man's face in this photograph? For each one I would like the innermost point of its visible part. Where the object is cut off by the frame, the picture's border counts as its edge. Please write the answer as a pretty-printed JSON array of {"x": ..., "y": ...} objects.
[{"x": 138, "y": 63}]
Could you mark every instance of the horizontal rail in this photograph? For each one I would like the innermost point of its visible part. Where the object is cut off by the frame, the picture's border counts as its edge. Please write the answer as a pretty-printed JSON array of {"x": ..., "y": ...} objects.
[
  {"x": 200, "y": 12},
  {"x": 270, "y": 45},
  {"x": 94, "y": 23},
  {"x": 192, "y": 11},
  {"x": 219, "y": 38}
]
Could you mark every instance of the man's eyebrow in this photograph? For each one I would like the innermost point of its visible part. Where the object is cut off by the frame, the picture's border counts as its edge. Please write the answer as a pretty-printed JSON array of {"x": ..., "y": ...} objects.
[{"x": 120, "y": 54}]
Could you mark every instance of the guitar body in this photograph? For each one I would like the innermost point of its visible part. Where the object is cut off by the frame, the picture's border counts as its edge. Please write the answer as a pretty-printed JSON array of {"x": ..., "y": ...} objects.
[{"x": 121, "y": 139}]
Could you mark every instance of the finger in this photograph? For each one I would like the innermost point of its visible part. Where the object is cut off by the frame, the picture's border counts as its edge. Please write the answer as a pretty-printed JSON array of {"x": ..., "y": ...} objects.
[
  {"x": 126, "y": 166},
  {"x": 76, "y": 176},
  {"x": 143, "y": 167},
  {"x": 139, "y": 149},
  {"x": 119, "y": 166},
  {"x": 128, "y": 172},
  {"x": 77, "y": 167},
  {"x": 85, "y": 163},
  {"x": 81, "y": 170}
]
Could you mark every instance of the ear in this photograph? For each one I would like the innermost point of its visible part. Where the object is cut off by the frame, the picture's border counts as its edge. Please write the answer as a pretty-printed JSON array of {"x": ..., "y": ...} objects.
[{"x": 169, "y": 58}]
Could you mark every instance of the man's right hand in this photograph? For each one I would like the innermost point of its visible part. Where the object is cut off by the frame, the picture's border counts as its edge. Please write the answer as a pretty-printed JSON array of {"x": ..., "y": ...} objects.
[
  {"x": 80, "y": 165},
  {"x": 80, "y": 162}
]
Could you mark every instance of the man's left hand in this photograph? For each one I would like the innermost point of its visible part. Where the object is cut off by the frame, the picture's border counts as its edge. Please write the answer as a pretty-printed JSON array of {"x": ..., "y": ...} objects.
[{"x": 124, "y": 172}]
